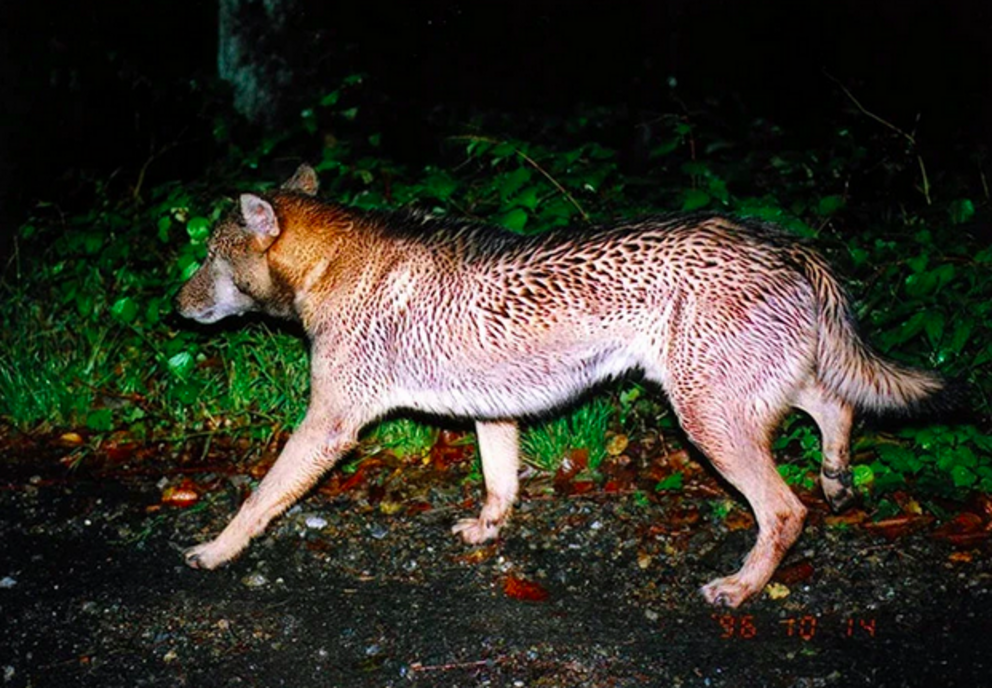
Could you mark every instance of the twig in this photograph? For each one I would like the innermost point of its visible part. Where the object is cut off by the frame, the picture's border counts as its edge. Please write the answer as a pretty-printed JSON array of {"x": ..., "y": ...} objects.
[
  {"x": 909, "y": 137},
  {"x": 533, "y": 163},
  {"x": 417, "y": 666}
]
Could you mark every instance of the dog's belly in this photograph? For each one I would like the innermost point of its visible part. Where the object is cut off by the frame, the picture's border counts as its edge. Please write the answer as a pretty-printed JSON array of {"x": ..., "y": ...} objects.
[{"x": 525, "y": 385}]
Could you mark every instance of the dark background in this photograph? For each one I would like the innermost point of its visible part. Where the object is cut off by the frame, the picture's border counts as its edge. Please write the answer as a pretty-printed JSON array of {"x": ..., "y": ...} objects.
[{"x": 89, "y": 90}]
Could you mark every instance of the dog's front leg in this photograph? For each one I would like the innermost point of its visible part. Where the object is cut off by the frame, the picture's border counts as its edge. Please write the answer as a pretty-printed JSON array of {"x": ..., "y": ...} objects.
[
  {"x": 320, "y": 440},
  {"x": 499, "y": 448}
]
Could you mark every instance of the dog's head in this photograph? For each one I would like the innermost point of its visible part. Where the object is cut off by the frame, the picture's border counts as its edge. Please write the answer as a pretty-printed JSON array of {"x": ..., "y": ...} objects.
[{"x": 237, "y": 276}]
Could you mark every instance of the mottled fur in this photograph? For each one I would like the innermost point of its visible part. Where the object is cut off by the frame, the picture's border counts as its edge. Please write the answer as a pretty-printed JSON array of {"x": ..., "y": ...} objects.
[{"x": 736, "y": 321}]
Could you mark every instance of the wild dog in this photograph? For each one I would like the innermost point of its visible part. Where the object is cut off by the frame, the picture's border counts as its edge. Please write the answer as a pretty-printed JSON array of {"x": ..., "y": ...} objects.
[{"x": 735, "y": 320}]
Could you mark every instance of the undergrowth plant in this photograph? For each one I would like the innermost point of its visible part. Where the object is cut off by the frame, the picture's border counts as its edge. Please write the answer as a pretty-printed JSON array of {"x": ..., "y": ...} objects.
[
  {"x": 88, "y": 339},
  {"x": 545, "y": 445}
]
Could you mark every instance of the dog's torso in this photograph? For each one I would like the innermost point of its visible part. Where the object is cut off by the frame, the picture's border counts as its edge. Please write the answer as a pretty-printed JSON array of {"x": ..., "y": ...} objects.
[{"x": 467, "y": 319}]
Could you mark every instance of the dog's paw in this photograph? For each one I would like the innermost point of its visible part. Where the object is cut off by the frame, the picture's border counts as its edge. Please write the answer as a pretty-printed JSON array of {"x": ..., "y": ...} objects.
[
  {"x": 206, "y": 556},
  {"x": 476, "y": 530},
  {"x": 839, "y": 491},
  {"x": 726, "y": 592}
]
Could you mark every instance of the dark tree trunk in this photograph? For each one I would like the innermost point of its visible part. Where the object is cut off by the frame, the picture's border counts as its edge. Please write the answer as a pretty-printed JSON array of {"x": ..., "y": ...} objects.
[{"x": 252, "y": 55}]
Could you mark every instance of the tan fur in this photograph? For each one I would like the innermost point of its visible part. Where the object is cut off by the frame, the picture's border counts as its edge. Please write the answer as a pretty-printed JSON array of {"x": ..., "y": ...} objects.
[{"x": 736, "y": 321}]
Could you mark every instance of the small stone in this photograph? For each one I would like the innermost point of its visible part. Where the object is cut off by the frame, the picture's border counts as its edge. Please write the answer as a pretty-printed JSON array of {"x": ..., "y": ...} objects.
[
  {"x": 254, "y": 580},
  {"x": 315, "y": 522},
  {"x": 7, "y": 582}
]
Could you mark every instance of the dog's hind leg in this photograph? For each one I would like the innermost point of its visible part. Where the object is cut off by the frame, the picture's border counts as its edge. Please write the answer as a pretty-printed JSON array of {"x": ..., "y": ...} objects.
[
  {"x": 499, "y": 448},
  {"x": 738, "y": 445},
  {"x": 834, "y": 417}
]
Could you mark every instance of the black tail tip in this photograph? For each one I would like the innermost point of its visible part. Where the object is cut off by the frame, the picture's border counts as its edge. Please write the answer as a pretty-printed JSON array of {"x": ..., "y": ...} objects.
[{"x": 951, "y": 404}]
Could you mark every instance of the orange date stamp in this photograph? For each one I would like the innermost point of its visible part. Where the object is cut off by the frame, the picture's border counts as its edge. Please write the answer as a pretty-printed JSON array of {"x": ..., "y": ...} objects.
[{"x": 807, "y": 627}]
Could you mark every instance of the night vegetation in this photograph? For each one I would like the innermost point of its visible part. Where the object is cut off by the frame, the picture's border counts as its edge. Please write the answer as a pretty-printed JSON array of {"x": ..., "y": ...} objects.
[{"x": 88, "y": 339}]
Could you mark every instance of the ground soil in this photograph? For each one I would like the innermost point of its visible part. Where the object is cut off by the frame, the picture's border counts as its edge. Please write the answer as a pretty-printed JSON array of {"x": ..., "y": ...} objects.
[{"x": 366, "y": 587}]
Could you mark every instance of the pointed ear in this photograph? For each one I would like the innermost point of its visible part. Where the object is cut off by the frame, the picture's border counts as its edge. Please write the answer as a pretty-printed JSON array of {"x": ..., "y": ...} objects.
[
  {"x": 260, "y": 219},
  {"x": 303, "y": 180}
]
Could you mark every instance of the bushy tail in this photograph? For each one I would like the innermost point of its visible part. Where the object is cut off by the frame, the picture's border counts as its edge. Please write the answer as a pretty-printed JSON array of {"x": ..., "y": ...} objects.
[{"x": 849, "y": 367}]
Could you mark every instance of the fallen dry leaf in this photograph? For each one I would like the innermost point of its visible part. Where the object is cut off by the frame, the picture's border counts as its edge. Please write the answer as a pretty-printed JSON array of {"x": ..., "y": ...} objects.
[
  {"x": 777, "y": 591},
  {"x": 738, "y": 519},
  {"x": 794, "y": 573},
  {"x": 964, "y": 530},
  {"x": 258, "y": 469},
  {"x": 617, "y": 445},
  {"x": 581, "y": 487},
  {"x": 71, "y": 439},
  {"x": 182, "y": 495},
  {"x": 892, "y": 528},
  {"x": 576, "y": 462},
  {"x": 523, "y": 589},
  {"x": 961, "y": 557},
  {"x": 477, "y": 555},
  {"x": 849, "y": 518}
]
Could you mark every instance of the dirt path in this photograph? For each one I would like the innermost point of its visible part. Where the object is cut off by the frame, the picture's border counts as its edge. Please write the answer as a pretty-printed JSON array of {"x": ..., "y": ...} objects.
[{"x": 93, "y": 593}]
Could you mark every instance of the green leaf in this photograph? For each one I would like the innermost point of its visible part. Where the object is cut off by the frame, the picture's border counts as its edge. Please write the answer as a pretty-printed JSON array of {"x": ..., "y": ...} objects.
[
  {"x": 962, "y": 331},
  {"x": 864, "y": 476},
  {"x": 961, "y": 210},
  {"x": 503, "y": 150},
  {"x": 918, "y": 263},
  {"x": 100, "y": 420},
  {"x": 909, "y": 329},
  {"x": 164, "y": 223},
  {"x": 181, "y": 364},
  {"x": 859, "y": 256},
  {"x": 964, "y": 456},
  {"x": 125, "y": 309},
  {"x": 665, "y": 147},
  {"x": 186, "y": 393},
  {"x": 528, "y": 198},
  {"x": 718, "y": 189},
  {"x": 696, "y": 168},
  {"x": 84, "y": 304},
  {"x": 154, "y": 311},
  {"x": 309, "y": 118},
  {"x": 198, "y": 229},
  {"x": 672, "y": 482},
  {"x": 828, "y": 205},
  {"x": 963, "y": 477},
  {"x": 330, "y": 99},
  {"x": 693, "y": 199},
  {"x": 512, "y": 182},
  {"x": 190, "y": 268},
  {"x": 943, "y": 274},
  {"x": 440, "y": 185},
  {"x": 899, "y": 458},
  {"x": 934, "y": 328},
  {"x": 515, "y": 220},
  {"x": 983, "y": 357}
]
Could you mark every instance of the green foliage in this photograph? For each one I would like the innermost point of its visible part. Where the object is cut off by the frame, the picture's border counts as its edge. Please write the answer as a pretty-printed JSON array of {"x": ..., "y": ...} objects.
[
  {"x": 672, "y": 483},
  {"x": 87, "y": 329},
  {"x": 547, "y": 444},
  {"x": 943, "y": 460},
  {"x": 405, "y": 438}
]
